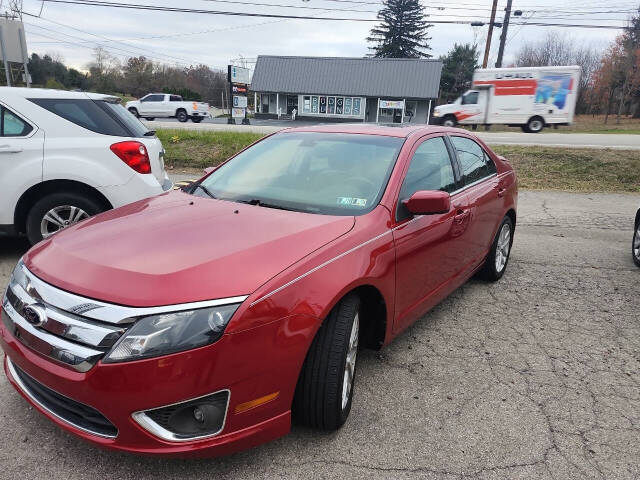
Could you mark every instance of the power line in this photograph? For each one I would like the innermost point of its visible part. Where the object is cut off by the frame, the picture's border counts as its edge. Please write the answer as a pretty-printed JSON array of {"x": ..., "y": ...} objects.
[{"x": 132, "y": 6}]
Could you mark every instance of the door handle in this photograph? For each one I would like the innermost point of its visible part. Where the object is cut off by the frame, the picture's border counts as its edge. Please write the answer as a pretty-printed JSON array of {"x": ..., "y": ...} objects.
[
  {"x": 501, "y": 191},
  {"x": 9, "y": 149},
  {"x": 460, "y": 215}
]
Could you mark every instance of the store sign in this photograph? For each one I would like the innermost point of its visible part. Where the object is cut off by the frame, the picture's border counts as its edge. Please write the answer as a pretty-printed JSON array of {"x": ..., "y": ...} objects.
[
  {"x": 237, "y": 112},
  {"x": 240, "y": 75},
  {"x": 396, "y": 104},
  {"x": 239, "y": 101}
]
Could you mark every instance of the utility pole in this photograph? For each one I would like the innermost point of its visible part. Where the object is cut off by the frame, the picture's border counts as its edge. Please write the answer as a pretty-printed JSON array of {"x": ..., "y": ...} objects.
[
  {"x": 493, "y": 19},
  {"x": 503, "y": 37}
]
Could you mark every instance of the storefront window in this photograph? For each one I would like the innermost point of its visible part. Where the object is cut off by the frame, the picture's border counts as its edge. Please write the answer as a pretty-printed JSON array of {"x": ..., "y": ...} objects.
[
  {"x": 347, "y": 106},
  {"x": 314, "y": 104},
  {"x": 306, "y": 105},
  {"x": 331, "y": 105},
  {"x": 323, "y": 104},
  {"x": 356, "y": 107},
  {"x": 339, "y": 105}
]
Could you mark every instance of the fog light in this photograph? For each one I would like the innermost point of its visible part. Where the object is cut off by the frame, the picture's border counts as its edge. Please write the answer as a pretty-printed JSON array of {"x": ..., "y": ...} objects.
[{"x": 197, "y": 418}]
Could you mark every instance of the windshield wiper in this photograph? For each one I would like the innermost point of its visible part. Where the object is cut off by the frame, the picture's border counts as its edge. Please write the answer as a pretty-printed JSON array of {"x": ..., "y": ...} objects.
[
  {"x": 260, "y": 203},
  {"x": 204, "y": 189}
]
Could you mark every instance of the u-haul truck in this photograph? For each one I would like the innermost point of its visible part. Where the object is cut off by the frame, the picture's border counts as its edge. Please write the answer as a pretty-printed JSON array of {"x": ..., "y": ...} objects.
[{"x": 530, "y": 98}]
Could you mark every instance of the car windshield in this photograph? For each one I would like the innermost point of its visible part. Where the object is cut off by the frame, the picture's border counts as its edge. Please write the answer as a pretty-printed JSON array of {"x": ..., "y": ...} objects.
[{"x": 325, "y": 173}]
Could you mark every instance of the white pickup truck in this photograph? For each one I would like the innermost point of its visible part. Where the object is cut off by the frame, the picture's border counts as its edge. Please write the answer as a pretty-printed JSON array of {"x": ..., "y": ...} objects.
[{"x": 163, "y": 105}]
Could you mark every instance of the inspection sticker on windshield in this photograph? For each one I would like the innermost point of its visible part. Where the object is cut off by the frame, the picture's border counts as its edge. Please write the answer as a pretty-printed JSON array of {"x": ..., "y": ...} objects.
[{"x": 352, "y": 201}]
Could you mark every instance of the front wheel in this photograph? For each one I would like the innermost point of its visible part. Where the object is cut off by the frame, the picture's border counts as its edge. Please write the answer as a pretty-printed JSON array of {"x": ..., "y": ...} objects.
[
  {"x": 449, "y": 121},
  {"x": 151, "y": 119},
  {"x": 325, "y": 387},
  {"x": 56, "y": 212},
  {"x": 496, "y": 262},
  {"x": 196, "y": 119},
  {"x": 635, "y": 247},
  {"x": 182, "y": 116}
]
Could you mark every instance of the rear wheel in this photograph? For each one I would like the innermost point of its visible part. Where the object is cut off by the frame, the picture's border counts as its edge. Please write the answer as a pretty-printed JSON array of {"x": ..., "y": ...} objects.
[
  {"x": 56, "y": 212},
  {"x": 182, "y": 116},
  {"x": 496, "y": 262},
  {"x": 535, "y": 125},
  {"x": 325, "y": 388},
  {"x": 151, "y": 119},
  {"x": 635, "y": 247}
]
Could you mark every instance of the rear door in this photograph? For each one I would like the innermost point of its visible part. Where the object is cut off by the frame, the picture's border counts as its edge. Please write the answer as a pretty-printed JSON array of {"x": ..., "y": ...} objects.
[
  {"x": 429, "y": 248},
  {"x": 480, "y": 183},
  {"x": 21, "y": 155}
]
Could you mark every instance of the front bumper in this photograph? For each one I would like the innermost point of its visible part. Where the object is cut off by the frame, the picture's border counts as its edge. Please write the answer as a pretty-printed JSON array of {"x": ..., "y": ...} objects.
[
  {"x": 245, "y": 363},
  {"x": 435, "y": 120}
]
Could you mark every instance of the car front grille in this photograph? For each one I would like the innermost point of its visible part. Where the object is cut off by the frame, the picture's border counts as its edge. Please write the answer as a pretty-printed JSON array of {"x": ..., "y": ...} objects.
[{"x": 74, "y": 413}]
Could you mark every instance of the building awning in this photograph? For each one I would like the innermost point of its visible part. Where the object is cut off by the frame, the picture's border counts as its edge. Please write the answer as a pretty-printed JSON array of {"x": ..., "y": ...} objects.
[{"x": 368, "y": 77}]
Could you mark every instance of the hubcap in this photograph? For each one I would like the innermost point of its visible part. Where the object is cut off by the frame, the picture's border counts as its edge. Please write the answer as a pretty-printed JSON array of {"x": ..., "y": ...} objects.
[
  {"x": 636, "y": 243},
  {"x": 535, "y": 125},
  {"x": 448, "y": 123},
  {"x": 502, "y": 248},
  {"x": 59, "y": 218},
  {"x": 350, "y": 364}
]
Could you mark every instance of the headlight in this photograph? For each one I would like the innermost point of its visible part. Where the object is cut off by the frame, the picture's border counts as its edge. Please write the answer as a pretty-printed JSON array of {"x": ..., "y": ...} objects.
[
  {"x": 436, "y": 113},
  {"x": 171, "y": 332}
]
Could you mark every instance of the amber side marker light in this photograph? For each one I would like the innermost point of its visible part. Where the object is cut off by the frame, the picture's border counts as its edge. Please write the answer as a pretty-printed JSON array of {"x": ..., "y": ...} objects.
[{"x": 243, "y": 407}]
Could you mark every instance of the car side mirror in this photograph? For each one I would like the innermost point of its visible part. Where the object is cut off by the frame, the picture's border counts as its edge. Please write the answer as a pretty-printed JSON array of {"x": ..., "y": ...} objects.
[{"x": 428, "y": 202}]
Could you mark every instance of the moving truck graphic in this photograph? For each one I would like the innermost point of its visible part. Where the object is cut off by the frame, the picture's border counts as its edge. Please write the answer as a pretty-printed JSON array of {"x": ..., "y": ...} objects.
[{"x": 529, "y": 98}]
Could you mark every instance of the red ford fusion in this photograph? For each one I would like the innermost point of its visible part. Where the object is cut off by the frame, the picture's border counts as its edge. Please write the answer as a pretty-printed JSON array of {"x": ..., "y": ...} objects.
[{"x": 200, "y": 322}]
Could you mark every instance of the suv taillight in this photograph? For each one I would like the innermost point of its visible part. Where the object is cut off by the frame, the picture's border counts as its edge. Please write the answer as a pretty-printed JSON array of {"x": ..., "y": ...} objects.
[{"x": 133, "y": 154}]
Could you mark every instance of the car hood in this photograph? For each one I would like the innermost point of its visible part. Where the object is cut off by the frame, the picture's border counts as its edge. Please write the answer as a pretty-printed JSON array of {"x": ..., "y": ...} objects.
[{"x": 177, "y": 248}]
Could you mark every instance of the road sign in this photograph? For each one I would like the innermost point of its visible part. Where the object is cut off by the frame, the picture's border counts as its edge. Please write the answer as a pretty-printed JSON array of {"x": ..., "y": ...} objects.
[
  {"x": 237, "y": 112},
  {"x": 240, "y": 75},
  {"x": 239, "y": 101}
]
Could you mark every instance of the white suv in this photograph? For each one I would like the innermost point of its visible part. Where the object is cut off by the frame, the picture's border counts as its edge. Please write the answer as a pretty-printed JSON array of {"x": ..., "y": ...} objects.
[{"x": 65, "y": 156}]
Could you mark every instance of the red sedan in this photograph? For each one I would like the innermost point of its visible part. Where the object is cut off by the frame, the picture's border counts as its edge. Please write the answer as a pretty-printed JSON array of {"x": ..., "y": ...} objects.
[{"x": 200, "y": 322}]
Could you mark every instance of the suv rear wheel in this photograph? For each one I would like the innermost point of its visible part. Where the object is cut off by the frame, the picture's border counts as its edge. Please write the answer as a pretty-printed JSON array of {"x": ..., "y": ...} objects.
[
  {"x": 58, "y": 211},
  {"x": 325, "y": 388}
]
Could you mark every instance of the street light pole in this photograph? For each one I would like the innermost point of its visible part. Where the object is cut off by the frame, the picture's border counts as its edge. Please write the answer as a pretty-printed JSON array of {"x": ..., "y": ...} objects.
[
  {"x": 503, "y": 37},
  {"x": 493, "y": 19}
]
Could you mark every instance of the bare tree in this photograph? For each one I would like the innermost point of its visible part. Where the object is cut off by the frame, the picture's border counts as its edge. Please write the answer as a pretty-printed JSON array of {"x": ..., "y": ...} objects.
[{"x": 558, "y": 50}]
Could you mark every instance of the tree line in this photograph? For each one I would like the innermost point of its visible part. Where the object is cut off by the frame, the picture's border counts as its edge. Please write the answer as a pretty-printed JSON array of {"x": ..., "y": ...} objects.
[{"x": 136, "y": 76}]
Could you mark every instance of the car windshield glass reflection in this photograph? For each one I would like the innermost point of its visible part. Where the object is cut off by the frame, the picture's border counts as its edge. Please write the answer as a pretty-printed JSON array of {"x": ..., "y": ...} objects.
[{"x": 325, "y": 173}]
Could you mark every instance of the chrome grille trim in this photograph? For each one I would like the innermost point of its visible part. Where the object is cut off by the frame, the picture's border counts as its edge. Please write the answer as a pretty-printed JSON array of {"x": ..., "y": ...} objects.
[{"x": 76, "y": 356}]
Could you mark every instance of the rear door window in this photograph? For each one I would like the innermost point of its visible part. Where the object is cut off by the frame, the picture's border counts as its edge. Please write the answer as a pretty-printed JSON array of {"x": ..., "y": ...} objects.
[
  {"x": 475, "y": 163},
  {"x": 153, "y": 98},
  {"x": 175, "y": 98},
  {"x": 99, "y": 116},
  {"x": 12, "y": 125}
]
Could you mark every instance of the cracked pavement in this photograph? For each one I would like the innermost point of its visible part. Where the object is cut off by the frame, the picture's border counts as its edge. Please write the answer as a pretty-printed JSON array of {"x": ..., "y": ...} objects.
[{"x": 536, "y": 376}]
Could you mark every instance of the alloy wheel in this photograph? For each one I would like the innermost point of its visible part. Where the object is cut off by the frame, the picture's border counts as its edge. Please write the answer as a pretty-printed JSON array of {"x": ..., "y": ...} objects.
[
  {"x": 350, "y": 363},
  {"x": 502, "y": 247},
  {"x": 59, "y": 218}
]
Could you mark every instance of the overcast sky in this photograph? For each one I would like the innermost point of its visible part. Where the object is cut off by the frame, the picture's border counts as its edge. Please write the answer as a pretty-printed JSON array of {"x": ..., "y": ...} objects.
[{"x": 72, "y": 31}]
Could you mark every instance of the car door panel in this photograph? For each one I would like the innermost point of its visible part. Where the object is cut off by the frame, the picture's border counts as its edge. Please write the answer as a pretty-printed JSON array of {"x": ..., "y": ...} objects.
[{"x": 429, "y": 248}]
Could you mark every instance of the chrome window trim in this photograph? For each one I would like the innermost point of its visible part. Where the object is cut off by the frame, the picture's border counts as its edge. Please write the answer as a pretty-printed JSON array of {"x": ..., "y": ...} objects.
[
  {"x": 27, "y": 392},
  {"x": 477, "y": 182},
  {"x": 109, "y": 312},
  {"x": 56, "y": 345},
  {"x": 142, "y": 419}
]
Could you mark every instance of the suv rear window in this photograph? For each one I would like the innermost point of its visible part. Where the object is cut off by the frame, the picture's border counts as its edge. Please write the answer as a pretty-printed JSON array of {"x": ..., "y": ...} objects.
[{"x": 100, "y": 116}]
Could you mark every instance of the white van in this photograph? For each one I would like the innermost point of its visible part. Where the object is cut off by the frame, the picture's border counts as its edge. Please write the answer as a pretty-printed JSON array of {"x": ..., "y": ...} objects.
[{"x": 530, "y": 98}]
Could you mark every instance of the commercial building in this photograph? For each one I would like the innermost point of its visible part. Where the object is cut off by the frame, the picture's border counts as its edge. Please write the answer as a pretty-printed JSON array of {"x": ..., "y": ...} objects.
[{"x": 384, "y": 90}]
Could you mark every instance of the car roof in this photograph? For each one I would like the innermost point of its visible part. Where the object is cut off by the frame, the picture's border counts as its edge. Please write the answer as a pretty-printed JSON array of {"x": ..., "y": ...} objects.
[
  {"x": 389, "y": 130},
  {"x": 51, "y": 93}
]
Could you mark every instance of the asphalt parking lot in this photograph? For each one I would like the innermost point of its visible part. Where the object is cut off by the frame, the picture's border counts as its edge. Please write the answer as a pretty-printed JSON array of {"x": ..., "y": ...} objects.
[{"x": 536, "y": 376}]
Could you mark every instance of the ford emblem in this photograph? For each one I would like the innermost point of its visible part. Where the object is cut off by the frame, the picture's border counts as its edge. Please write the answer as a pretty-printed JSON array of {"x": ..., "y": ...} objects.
[{"x": 35, "y": 314}]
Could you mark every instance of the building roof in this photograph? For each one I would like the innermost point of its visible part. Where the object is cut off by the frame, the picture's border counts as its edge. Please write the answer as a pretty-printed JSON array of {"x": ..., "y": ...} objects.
[{"x": 370, "y": 77}]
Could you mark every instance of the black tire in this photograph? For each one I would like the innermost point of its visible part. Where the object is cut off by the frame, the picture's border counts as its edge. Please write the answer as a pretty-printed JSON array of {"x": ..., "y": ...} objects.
[
  {"x": 318, "y": 397},
  {"x": 535, "y": 125},
  {"x": 196, "y": 119},
  {"x": 449, "y": 121},
  {"x": 41, "y": 207},
  {"x": 635, "y": 244},
  {"x": 490, "y": 270},
  {"x": 182, "y": 116},
  {"x": 151, "y": 119},
  {"x": 524, "y": 128},
  {"x": 134, "y": 112}
]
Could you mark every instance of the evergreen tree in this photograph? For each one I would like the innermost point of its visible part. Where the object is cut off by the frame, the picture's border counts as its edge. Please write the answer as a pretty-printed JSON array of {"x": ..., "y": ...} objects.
[
  {"x": 402, "y": 32},
  {"x": 457, "y": 70}
]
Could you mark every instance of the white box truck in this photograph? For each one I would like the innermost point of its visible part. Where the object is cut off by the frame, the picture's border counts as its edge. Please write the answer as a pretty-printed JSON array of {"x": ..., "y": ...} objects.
[{"x": 529, "y": 98}]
